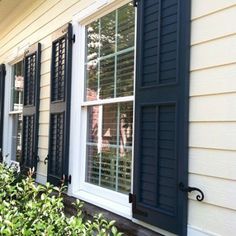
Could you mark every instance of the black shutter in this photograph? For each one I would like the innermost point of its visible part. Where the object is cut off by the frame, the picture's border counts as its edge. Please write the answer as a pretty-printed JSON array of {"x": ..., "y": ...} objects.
[
  {"x": 2, "y": 88},
  {"x": 161, "y": 114},
  {"x": 58, "y": 157},
  {"x": 31, "y": 107}
]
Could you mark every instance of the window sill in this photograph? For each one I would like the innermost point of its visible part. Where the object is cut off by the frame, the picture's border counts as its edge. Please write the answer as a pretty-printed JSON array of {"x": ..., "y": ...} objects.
[{"x": 114, "y": 207}]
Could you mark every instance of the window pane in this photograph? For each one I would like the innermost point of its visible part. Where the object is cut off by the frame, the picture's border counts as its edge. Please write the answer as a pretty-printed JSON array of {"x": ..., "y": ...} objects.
[
  {"x": 124, "y": 171},
  {"x": 109, "y": 125},
  {"x": 91, "y": 81},
  {"x": 92, "y": 37},
  {"x": 125, "y": 74},
  {"x": 107, "y": 68},
  {"x": 107, "y": 35},
  {"x": 93, "y": 114},
  {"x": 17, "y": 87},
  {"x": 109, "y": 146},
  {"x": 93, "y": 165},
  {"x": 16, "y": 142},
  {"x": 108, "y": 168},
  {"x": 125, "y": 37}
]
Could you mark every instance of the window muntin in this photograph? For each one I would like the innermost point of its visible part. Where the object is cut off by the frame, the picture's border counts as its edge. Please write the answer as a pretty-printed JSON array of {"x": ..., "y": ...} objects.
[{"x": 109, "y": 66}]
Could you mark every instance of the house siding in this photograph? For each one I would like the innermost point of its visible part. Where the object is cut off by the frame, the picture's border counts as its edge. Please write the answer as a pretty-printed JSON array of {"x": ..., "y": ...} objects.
[
  {"x": 212, "y": 122},
  {"x": 212, "y": 137},
  {"x": 36, "y": 24}
]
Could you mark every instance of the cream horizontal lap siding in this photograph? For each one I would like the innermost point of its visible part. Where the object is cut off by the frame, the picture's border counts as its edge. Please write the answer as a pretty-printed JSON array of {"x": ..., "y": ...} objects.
[
  {"x": 212, "y": 138},
  {"x": 31, "y": 22}
]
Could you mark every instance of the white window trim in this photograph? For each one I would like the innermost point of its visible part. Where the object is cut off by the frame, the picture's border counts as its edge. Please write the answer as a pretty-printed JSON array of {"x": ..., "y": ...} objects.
[
  {"x": 110, "y": 200},
  {"x": 12, "y": 58}
]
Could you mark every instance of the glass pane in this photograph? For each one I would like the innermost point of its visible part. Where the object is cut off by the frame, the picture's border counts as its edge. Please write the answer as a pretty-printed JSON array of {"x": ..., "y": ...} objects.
[
  {"x": 107, "y": 36},
  {"x": 109, "y": 146},
  {"x": 125, "y": 74},
  {"x": 108, "y": 168},
  {"x": 91, "y": 81},
  {"x": 93, "y": 165},
  {"x": 109, "y": 125},
  {"x": 16, "y": 137},
  {"x": 125, "y": 37},
  {"x": 92, "y": 44},
  {"x": 17, "y": 87},
  {"x": 107, "y": 69},
  {"x": 126, "y": 124},
  {"x": 124, "y": 171},
  {"x": 93, "y": 114}
]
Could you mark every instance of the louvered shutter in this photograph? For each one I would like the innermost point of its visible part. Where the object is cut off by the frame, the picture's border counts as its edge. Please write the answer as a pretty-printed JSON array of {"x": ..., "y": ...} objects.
[
  {"x": 2, "y": 88},
  {"x": 58, "y": 157},
  {"x": 161, "y": 113},
  {"x": 31, "y": 107}
]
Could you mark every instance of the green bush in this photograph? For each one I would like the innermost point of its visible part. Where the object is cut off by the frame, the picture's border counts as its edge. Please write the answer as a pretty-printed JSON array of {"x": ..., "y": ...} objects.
[{"x": 30, "y": 209}]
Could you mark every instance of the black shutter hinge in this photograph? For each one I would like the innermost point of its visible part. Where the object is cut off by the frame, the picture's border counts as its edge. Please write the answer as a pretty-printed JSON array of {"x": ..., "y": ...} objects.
[
  {"x": 135, "y": 3},
  {"x": 73, "y": 38},
  {"x": 132, "y": 199},
  {"x": 199, "y": 197},
  {"x": 69, "y": 179}
]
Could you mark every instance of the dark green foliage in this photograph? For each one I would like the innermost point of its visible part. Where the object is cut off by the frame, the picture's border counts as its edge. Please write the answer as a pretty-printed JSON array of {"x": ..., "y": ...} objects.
[{"x": 30, "y": 209}]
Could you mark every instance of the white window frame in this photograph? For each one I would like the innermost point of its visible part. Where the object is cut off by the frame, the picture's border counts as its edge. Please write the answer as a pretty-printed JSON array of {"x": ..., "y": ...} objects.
[
  {"x": 102, "y": 197},
  {"x": 8, "y": 112}
]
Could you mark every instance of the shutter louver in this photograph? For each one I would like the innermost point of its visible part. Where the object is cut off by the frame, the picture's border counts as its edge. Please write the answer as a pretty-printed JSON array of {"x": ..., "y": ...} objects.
[
  {"x": 2, "y": 88},
  {"x": 161, "y": 113},
  {"x": 58, "y": 157},
  {"x": 31, "y": 107}
]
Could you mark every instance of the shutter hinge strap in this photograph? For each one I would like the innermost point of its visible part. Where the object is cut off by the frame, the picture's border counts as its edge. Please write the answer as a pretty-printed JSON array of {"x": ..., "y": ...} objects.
[{"x": 135, "y": 3}]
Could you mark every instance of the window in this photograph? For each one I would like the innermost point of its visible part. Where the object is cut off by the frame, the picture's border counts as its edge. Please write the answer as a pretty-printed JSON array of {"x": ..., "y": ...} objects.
[
  {"x": 108, "y": 100},
  {"x": 16, "y": 109}
]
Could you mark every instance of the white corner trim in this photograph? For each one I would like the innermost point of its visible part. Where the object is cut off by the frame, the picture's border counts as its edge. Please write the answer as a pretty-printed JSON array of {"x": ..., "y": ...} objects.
[
  {"x": 195, "y": 231},
  {"x": 88, "y": 11}
]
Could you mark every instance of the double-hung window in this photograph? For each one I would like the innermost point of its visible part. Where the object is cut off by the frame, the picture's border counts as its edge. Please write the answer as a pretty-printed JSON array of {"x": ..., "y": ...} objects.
[
  {"x": 107, "y": 105},
  {"x": 109, "y": 89}
]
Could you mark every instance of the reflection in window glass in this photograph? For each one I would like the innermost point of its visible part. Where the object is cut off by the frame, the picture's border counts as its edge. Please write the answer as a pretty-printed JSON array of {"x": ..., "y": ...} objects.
[
  {"x": 109, "y": 146},
  {"x": 110, "y": 55},
  {"x": 16, "y": 141},
  {"x": 125, "y": 28},
  {"x": 109, "y": 64},
  {"x": 17, "y": 87}
]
